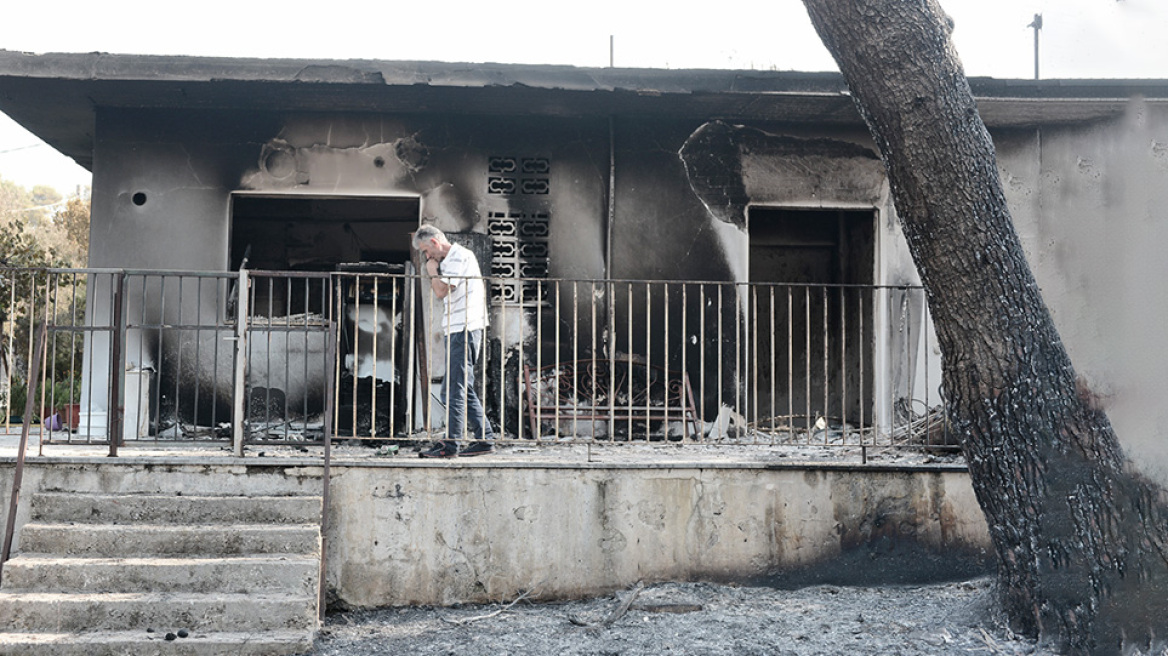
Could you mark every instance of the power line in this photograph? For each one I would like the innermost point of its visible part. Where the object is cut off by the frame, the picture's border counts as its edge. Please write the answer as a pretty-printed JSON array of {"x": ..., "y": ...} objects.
[{"x": 13, "y": 150}]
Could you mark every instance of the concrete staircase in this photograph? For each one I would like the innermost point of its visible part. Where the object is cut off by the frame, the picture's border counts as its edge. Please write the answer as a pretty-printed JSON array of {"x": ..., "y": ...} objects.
[{"x": 101, "y": 574}]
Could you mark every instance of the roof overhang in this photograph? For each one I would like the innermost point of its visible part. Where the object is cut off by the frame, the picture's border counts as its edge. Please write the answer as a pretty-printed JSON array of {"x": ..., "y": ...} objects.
[{"x": 55, "y": 96}]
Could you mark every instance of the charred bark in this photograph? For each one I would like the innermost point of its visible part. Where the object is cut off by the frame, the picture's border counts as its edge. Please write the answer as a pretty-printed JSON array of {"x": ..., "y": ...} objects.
[{"x": 1081, "y": 538}]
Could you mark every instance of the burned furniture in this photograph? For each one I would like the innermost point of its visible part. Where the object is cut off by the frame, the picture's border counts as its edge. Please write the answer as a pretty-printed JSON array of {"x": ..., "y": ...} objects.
[{"x": 617, "y": 394}]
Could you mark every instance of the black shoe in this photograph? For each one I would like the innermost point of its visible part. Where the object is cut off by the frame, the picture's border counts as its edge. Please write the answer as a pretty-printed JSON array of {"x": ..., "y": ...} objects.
[
  {"x": 476, "y": 449},
  {"x": 442, "y": 449}
]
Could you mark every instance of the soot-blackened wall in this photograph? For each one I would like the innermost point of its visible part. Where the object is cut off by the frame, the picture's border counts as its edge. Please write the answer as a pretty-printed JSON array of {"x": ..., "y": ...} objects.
[{"x": 676, "y": 212}]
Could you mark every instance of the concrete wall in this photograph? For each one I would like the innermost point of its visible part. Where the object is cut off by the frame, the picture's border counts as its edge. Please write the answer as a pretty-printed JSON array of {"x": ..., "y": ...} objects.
[
  {"x": 1089, "y": 201},
  {"x": 1091, "y": 205},
  {"x": 413, "y": 533},
  {"x": 169, "y": 176}
]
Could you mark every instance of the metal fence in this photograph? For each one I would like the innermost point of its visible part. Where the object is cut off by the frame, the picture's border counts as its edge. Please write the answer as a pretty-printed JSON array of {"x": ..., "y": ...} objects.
[{"x": 288, "y": 357}]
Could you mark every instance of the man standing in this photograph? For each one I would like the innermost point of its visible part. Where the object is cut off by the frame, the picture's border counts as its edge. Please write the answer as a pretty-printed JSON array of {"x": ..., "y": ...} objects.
[{"x": 456, "y": 279}]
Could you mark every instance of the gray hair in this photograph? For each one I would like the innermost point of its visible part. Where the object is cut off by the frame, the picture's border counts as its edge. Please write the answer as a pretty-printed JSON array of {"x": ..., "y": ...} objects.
[{"x": 426, "y": 233}]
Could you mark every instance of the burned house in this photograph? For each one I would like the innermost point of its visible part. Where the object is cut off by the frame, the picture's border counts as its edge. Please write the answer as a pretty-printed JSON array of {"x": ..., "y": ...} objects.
[
  {"x": 731, "y": 231},
  {"x": 710, "y": 257}
]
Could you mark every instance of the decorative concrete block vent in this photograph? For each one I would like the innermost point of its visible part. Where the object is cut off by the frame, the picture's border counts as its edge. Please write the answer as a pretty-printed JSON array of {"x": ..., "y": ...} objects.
[{"x": 105, "y": 574}]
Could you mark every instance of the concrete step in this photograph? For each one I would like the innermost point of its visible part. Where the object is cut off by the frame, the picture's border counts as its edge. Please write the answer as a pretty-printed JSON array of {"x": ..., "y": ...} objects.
[
  {"x": 141, "y": 643},
  {"x": 116, "y": 541},
  {"x": 238, "y": 574},
  {"x": 60, "y": 507},
  {"x": 64, "y": 612}
]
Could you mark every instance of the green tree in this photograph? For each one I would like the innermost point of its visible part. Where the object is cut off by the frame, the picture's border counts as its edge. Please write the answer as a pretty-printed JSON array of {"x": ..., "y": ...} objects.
[
  {"x": 1081, "y": 538},
  {"x": 72, "y": 221},
  {"x": 27, "y": 227}
]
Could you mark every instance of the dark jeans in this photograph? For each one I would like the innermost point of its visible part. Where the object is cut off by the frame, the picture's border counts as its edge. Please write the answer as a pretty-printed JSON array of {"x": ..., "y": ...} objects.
[{"x": 462, "y": 401}]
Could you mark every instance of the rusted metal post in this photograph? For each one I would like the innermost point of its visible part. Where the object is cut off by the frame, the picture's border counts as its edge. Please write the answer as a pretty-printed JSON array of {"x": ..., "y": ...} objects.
[
  {"x": 117, "y": 368},
  {"x": 240, "y": 388},
  {"x": 18, "y": 475},
  {"x": 326, "y": 474}
]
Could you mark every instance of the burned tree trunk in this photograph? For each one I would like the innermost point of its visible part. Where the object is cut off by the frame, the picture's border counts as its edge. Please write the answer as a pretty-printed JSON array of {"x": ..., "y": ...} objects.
[{"x": 1081, "y": 538}]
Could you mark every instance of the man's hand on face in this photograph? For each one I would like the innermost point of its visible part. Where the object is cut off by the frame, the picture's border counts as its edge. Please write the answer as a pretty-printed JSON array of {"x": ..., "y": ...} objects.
[{"x": 431, "y": 266}]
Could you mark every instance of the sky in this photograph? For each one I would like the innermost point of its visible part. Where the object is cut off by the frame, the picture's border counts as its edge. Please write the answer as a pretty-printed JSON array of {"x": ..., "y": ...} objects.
[{"x": 1079, "y": 39}]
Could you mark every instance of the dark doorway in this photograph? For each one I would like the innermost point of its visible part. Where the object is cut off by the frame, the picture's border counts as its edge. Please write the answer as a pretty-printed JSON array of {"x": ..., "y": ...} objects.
[
  {"x": 368, "y": 240},
  {"x": 303, "y": 233},
  {"x": 812, "y": 307}
]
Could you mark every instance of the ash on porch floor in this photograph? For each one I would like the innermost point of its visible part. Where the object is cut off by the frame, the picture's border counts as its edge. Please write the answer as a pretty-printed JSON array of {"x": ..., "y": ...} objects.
[{"x": 507, "y": 452}]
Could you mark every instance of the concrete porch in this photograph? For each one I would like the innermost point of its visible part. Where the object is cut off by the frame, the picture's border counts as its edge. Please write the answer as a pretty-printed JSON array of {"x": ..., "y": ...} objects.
[{"x": 574, "y": 521}]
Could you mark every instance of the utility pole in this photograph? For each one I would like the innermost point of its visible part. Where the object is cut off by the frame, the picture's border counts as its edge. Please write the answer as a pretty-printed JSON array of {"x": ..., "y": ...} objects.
[
  {"x": 611, "y": 49},
  {"x": 1037, "y": 25}
]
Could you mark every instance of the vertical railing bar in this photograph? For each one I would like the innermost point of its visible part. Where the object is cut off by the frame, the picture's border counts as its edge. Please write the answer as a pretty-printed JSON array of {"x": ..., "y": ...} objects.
[
  {"x": 393, "y": 349},
  {"x": 906, "y": 331},
  {"x": 684, "y": 369},
  {"x": 46, "y": 374},
  {"x": 648, "y": 354},
  {"x": 575, "y": 359},
  {"x": 325, "y": 308},
  {"x": 356, "y": 346},
  {"x": 289, "y": 308},
  {"x": 143, "y": 320},
  {"x": 702, "y": 351},
  {"x": 538, "y": 314},
  {"x": 807, "y": 359},
  {"x": 243, "y": 358},
  {"x": 790, "y": 363},
  {"x": 216, "y": 336},
  {"x": 826, "y": 365},
  {"x": 721, "y": 355},
  {"x": 199, "y": 282},
  {"x": 925, "y": 323},
  {"x": 375, "y": 322},
  {"x": 592, "y": 372},
  {"x": 11, "y": 350},
  {"x": 117, "y": 371},
  {"x": 628, "y": 363},
  {"x": 556, "y": 361},
  {"x": 665, "y": 357},
  {"x": 502, "y": 306},
  {"x": 336, "y": 287},
  {"x": 484, "y": 351},
  {"x": 53, "y": 283},
  {"x": 176, "y": 340},
  {"x": 242, "y": 353},
  {"x": 752, "y": 340},
  {"x": 612, "y": 362},
  {"x": 178, "y": 348},
  {"x": 268, "y": 354},
  {"x": 772, "y": 358},
  {"x": 90, "y": 355},
  {"x": 862, "y": 342},
  {"x": 881, "y": 373},
  {"x": 740, "y": 374},
  {"x": 522, "y": 360},
  {"x": 30, "y": 392},
  {"x": 843, "y": 305},
  {"x": 72, "y": 355}
]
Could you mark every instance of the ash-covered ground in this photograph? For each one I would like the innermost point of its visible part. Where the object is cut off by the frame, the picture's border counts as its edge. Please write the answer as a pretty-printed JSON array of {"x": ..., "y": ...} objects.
[{"x": 698, "y": 619}]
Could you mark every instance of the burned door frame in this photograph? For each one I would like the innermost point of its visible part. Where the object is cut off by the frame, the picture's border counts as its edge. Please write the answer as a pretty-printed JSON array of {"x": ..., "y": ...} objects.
[
  {"x": 828, "y": 318},
  {"x": 389, "y": 220}
]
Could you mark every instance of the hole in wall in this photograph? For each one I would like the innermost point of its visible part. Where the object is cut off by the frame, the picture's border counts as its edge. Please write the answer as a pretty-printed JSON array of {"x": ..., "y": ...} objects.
[{"x": 139, "y": 198}]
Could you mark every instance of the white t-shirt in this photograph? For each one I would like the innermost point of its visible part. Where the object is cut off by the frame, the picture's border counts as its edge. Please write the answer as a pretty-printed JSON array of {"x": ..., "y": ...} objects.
[{"x": 465, "y": 306}]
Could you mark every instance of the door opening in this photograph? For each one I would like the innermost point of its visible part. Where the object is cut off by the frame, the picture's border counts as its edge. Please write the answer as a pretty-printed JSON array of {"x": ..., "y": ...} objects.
[{"x": 814, "y": 324}]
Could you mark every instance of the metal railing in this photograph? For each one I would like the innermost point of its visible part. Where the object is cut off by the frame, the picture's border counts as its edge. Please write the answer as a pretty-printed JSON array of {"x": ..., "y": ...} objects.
[{"x": 288, "y": 357}]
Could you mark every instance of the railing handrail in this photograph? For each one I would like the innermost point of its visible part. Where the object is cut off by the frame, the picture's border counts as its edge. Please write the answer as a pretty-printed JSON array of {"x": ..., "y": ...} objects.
[{"x": 231, "y": 275}]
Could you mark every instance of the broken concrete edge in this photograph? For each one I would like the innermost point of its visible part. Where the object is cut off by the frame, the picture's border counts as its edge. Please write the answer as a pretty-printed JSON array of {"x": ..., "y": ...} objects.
[{"x": 259, "y": 462}]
